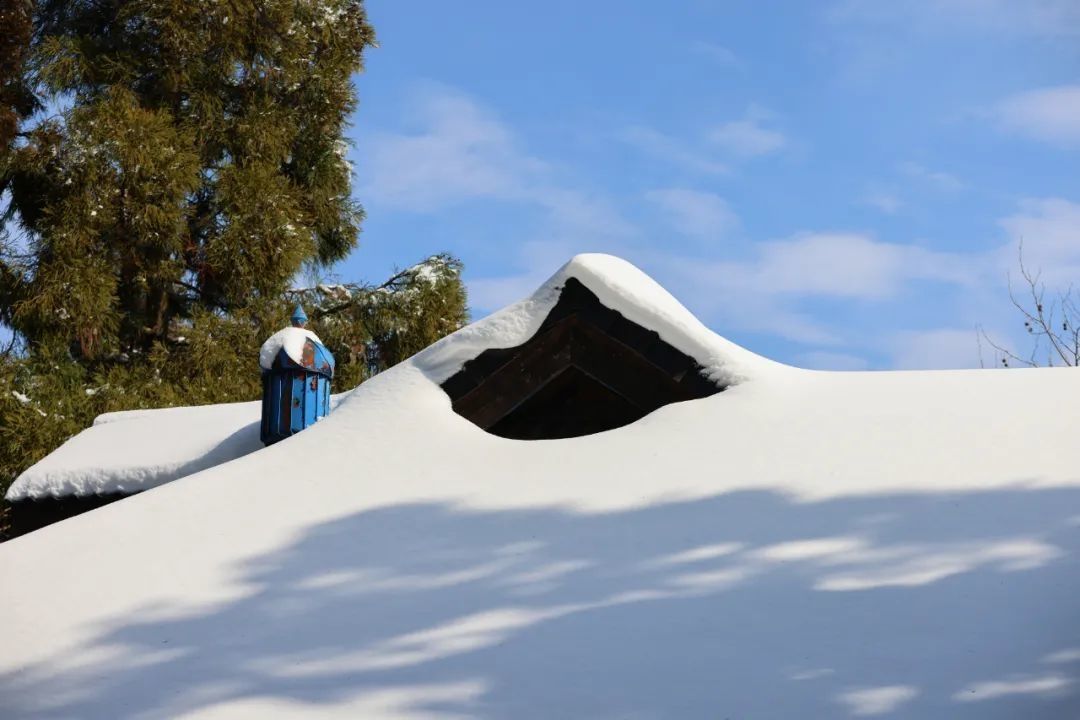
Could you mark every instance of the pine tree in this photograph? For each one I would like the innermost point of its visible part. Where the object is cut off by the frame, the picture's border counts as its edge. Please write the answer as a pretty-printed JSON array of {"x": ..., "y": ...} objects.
[
  {"x": 381, "y": 325},
  {"x": 197, "y": 162},
  {"x": 16, "y": 100}
]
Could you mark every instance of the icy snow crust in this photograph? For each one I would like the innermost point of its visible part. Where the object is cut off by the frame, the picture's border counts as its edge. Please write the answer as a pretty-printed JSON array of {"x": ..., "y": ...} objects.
[
  {"x": 291, "y": 340},
  {"x": 802, "y": 545}
]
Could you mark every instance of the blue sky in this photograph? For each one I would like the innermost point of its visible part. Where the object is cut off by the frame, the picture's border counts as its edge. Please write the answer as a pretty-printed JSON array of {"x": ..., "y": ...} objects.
[{"x": 832, "y": 184}]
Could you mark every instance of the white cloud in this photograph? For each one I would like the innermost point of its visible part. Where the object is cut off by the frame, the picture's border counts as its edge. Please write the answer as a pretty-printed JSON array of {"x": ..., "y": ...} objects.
[
  {"x": 878, "y": 41},
  {"x": 1050, "y": 115},
  {"x": 579, "y": 213},
  {"x": 823, "y": 360},
  {"x": 716, "y": 292},
  {"x": 1050, "y": 231},
  {"x": 1062, "y": 657},
  {"x": 1043, "y": 686},
  {"x": 463, "y": 152},
  {"x": 847, "y": 265},
  {"x": 887, "y": 202},
  {"x": 866, "y": 702},
  {"x": 695, "y": 213},
  {"x": 735, "y": 140},
  {"x": 1040, "y": 18},
  {"x": 675, "y": 152},
  {"x": 460, "y": 152},
  {"x": 748, "y": 137},
  {"x": 935, "y": 178},
  {"x": 939, "y": 349},
  {"x": 490, "y": 294},
  {"x": 718, "y": 54},
  {"x": 765, "y": 291},
  {"x": 761, "y": 293}
]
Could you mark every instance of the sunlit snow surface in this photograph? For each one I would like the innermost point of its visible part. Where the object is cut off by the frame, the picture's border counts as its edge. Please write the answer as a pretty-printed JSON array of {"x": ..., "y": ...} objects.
[
  {"x": 802, "y": 545},
  {"x": 131, "y": 451},
  {"x": 127, "y": 452}
]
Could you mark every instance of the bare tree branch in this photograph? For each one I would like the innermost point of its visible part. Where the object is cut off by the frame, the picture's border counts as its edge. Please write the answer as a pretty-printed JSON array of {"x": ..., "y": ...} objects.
[
  {"x": 1006, "y": 354},
  {"x": 1056, "y": 321}
]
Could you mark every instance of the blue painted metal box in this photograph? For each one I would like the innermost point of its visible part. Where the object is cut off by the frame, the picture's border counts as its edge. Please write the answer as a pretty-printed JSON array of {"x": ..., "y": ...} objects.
[{"x": 296, "y": 382}]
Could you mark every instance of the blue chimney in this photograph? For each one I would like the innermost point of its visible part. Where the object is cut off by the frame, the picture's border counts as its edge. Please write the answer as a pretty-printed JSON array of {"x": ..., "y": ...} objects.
[{"x": 296, "y": 373}]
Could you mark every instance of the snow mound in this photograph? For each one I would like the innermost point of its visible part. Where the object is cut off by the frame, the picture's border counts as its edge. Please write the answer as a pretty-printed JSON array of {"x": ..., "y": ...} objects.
[
  {"x": 135, "y": 450},
  {"x": 126, "y": 452},
  {"x": 802, "y": 545},
  {"x": 291, "y": 340},
  {"x": 620, "y": 286}
]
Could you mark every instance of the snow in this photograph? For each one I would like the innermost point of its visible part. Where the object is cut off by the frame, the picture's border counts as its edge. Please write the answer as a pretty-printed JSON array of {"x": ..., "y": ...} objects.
[
  {"x": 290, "y": 339},
  {"x": 618, "y": 285},
  {"x": 803, "y": 545},
  {"x": 125, "y": 452}
]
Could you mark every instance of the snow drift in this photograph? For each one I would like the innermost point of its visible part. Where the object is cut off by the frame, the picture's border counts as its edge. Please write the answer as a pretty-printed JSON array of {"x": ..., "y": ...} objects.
[
  {"x": 139, "y": 449},
  {"x": 804, "y": 544},
  {"x": 132, "y": 451}
]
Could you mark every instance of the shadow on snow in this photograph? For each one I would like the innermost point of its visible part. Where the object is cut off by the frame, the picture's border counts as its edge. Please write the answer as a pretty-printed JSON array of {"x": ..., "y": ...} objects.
[{"x": 744, "y": 605}]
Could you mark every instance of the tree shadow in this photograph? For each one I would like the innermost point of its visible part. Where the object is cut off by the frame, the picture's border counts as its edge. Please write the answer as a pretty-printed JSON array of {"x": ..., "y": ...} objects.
[{"x": 742, "y": 605}]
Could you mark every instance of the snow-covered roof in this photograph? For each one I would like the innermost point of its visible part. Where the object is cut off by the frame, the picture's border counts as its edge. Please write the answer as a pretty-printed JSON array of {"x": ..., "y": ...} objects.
[
  {"x": 128, "y": 452},
  {"x": 804, "y": 544},
  {"x": 125, "y": 452}
]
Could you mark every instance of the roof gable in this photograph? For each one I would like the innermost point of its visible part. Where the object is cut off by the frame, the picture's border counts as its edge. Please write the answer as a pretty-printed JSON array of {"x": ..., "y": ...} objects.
[{"x": 586, "y": 369}]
